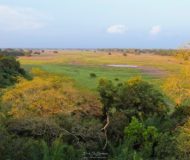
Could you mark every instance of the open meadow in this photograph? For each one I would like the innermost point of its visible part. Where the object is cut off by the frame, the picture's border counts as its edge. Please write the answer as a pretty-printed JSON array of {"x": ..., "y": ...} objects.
[{"x": 82, "y": 65}]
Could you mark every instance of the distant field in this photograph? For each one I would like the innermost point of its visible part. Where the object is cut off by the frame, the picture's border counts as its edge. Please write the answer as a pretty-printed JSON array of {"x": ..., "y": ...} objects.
[{"x": 79, "y": 65}]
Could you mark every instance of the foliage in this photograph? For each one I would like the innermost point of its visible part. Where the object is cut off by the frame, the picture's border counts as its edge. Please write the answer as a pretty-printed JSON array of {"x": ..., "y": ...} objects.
[
  {"x": 183, "y": 54},
  {"x": 44, "y": 96},
  {"x": 93, "y": 75},
  {"x": 12, "y": 52},
  {"x": 59, "y": 151},
  {"x": 15, "y": 148},
  {"x": 9, "y": 71},
  {"x": 178, "y": 86},
  {"x": 134, "y": 97},
  {"x": 166, "y": 148},
  {"x": 183, "y": 140},
  {"x": 180, "y": 115},
  {"x": 139, "y": 141},
  {"x": 107, "y": 92},
  {"x": 34, "y": 127},
  {"x": 82, "y": 132},
  {"x": 89, "y": 134},
  {"x": 118, "y": 121},
  {"x": 140, "y": 98}
]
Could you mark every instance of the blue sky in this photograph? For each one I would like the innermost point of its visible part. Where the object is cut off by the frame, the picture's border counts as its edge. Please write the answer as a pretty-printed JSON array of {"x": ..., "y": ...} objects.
[{"x": 94, "y": 23}]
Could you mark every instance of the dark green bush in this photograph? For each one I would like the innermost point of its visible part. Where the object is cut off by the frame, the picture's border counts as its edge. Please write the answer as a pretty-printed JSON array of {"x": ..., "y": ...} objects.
[
  {"x": 9, "y": 71},
  {"x": 93, "y": 75}
]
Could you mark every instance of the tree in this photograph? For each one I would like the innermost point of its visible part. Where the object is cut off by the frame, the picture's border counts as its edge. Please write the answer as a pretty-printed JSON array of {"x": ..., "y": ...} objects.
[
  {"x": 46, "y": 96},
  {"x": 9, "y": 71},
  {"x": 139, "y": 142},
  {"x": 139, "y": 98},
  {"x": 178, "y": 86},
  {"x": 183, "y": 54},
  {"x": 107, "y": 92},
  {"x": 28, "y": 53},
  {"x": 134, "y": 97}
]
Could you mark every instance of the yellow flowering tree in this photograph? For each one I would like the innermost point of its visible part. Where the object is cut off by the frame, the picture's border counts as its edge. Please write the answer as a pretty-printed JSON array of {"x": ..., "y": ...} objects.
[
  {"x": 178, "y": 86},
  {"x": 44, "y": 96}
]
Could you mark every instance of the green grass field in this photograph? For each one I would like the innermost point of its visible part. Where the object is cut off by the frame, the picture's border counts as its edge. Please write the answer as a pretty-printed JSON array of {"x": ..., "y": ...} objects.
[
  {"x": 81, "y": 74},
  {"x": 79, "y": 65}
]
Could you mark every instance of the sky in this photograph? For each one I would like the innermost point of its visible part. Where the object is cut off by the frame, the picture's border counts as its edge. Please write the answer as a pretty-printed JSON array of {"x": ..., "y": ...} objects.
[{"x": 94, "y": 23}]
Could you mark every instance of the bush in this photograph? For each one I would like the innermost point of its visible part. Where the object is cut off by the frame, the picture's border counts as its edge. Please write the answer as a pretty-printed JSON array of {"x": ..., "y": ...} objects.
[
  {"x": 9, "y": 71},
  {"x": 34, "y": 127},
  {"x": 15, "y": 148},
  {"x": 183, "y": 140},
  {"x": 59, "y": 151},
  {"x": 93, "y": 75},
  {"x": 23, "y": 148},
  {"x": 125, "y": 54},
  {"x": 166, "y": 148}
]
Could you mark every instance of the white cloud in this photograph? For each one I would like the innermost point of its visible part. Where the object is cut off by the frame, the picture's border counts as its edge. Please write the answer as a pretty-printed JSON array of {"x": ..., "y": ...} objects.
[
  {"x": 155, "y": 30},
  {"x": 117, "y": 29},
  {"x": 12, "y": 18}
]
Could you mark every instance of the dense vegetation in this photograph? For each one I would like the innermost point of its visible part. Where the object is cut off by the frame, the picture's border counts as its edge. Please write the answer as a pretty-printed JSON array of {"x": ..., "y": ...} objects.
[
  {"x": 49, "y": 118},
  {"x": 12, "y": 52},
  {"x": 9, "y": 71}
]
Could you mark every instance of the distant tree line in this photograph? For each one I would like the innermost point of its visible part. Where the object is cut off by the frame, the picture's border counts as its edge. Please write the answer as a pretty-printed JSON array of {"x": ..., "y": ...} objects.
[
  {"x": 12, "y": 52},
  {"x": 164, "y": 52},
  {"x": 19, "y": 52}
]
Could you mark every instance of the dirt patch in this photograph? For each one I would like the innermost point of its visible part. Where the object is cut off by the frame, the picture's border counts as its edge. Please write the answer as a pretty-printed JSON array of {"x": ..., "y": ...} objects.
[
  {"x": 122, "y": 66},
  {"x": 146, "y": 70},
  {"x": 152, "y": 71},
  {"x": 76, "y": 63}
]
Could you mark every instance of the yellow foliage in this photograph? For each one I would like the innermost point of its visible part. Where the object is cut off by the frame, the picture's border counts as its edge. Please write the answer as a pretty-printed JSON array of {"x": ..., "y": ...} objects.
[
  {"x": 38, "y": 72},
  {"x": 42, "y": 96},
  {"x": 134, "y": 80},
  {"x": 43, "y": 74},
  {"x": 178, "y": 86},
  {"x": 183, "y": 54}
]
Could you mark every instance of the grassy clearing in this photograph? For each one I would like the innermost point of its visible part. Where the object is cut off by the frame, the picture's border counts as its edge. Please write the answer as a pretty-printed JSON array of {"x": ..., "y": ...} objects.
[{"x": 81, "y": 74}]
